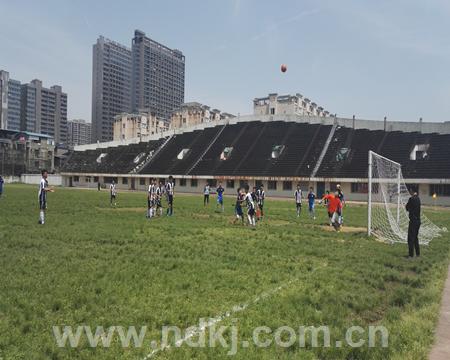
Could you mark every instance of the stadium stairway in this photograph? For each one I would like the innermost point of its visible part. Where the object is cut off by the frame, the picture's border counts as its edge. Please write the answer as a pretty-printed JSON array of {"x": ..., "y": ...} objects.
[{"x": 200, "y": 158}]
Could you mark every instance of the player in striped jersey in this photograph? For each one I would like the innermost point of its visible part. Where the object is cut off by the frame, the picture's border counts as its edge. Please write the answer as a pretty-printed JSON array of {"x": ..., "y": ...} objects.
[
  {"x": 169, "y": 192},
  {"x": 42, "y": 195},
  {"x": 112, "y": 193},
  {"x": 159, "y": 191},
  {"x": 251, "y": 209},
  {"x": 298, "y": 196},
  {"x": 260, "y": 197},
  {"x": 151, "y": 199}
]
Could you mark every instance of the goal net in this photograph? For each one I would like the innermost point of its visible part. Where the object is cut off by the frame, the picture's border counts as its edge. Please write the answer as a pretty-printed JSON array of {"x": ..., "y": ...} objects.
[{"x": 388, "y": 195}]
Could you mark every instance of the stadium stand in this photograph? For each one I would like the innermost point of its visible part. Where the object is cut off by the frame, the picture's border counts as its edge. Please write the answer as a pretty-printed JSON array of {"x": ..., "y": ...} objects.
[{"x": 271, "y": 150}]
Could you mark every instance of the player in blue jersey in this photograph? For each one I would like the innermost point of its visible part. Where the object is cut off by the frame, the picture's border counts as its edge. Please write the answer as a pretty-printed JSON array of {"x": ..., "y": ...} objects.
[
  {"x": 220, "y": 190},
  {"x": 311, "y": 203}
]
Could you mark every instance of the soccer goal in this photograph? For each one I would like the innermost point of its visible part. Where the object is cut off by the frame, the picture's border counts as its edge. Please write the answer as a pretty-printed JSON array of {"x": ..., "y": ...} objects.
[{"x": 387, "y": 196}]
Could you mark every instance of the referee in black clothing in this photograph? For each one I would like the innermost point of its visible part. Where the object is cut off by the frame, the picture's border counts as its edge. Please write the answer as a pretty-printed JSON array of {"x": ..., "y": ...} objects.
[{"x": 413, "y": 208}]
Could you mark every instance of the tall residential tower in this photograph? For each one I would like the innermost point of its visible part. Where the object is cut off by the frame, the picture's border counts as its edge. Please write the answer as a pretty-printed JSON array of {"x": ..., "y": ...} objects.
[
  {"x": 158, "y": 76},
  {"x": 111, "y": 86}
]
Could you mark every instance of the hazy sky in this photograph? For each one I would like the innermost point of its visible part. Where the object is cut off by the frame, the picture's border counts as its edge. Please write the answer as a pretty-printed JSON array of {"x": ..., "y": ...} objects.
[{"x": 369, "y": 58}]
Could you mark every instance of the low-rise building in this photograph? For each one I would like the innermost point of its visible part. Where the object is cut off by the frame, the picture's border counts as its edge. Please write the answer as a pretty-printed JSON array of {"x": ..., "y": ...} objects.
[
  {"x": 297, "y": 104},
  {"x": 194, "y": 113},
  {"x": 23, "y": 152},
  {"x": 128, "y": 126}
]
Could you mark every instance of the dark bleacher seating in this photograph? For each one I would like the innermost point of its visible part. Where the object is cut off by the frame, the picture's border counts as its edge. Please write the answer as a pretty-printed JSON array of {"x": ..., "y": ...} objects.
[
  {"x": 252, "y": 144},
  {"x": 211, "y": 159},
  {"x": 119, "y": 160},
  {"x": 359, "y": 142}
]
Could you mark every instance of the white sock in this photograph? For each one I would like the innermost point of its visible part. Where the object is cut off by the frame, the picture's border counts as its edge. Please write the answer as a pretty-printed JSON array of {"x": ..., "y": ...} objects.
[{"x": 41, "y": 216}]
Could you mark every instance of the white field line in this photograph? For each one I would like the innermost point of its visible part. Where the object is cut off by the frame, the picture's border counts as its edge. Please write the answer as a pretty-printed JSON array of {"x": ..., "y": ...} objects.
[{"x": 196, "y": 330}]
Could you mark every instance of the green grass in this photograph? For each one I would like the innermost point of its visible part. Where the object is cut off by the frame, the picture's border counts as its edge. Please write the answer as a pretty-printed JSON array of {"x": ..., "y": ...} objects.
[{"x": 93, "y": 265}]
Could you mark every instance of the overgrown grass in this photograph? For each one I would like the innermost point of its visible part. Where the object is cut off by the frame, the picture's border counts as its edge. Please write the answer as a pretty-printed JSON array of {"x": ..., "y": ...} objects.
[{"x": 93, "y": 265}]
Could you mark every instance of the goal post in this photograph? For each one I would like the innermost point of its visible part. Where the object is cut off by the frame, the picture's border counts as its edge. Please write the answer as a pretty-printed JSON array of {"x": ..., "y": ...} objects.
[{"x": 388, "y": 194}]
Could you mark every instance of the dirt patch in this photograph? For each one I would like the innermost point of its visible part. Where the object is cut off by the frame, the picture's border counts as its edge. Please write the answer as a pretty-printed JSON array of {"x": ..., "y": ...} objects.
[
  {"x": 126, "y": 209},
  {"x": 346, "y": 229}
]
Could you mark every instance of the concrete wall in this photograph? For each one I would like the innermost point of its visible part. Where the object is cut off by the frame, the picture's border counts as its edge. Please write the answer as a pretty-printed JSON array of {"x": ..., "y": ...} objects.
[{"x": 53, "y": 179}]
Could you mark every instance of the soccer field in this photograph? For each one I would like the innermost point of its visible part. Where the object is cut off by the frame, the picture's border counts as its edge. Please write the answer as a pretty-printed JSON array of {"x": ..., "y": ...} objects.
[{"x": 94, "y": 265}]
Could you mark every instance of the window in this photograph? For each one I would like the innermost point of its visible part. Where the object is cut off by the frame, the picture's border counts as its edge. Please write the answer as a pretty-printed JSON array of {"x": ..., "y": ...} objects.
[
  {"x": 96, "y": 179},
  {"x": 230, "y": 184},
  {"x": 226, "y": 153},
  {"x": 109, "y": 180},
  {"x": 76, "y": 178},
  {"x": 419, "y": 152},
  {"x": 277, "y": 150},
  {"x": 212, "y": 182},
  {"x": 258, "y": 183},
  {"x": 440, "y": 189},
  {"x": 360, "y": 188},
  {"x": 272, "y": 111},
  {"x": 125, "y": 181},
  {"x": 287, "y": 185},
  {"x": 87, "y": 179},
  {"x": 142, "y": 181},
  {"x": 242, "y": 184},
  {"x": 272, "y": 185},
  {"x": 194, "y": 182},
  {"x": 182, "y": 154},
  {"x": 342, "y": 154},
  {"x": 183, "y": 182}
]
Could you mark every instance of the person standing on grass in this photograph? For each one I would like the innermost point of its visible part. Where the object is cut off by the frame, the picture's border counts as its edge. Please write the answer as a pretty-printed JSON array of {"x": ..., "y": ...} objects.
[
  {"x": 206, "y": 191},
  {"x": 42, "y": 195},
  {"x": 113, "y": 193},
  {"x": 261, "y": 196},
  {"x": 298, "y": 200},
  {"x": 342, "y": 199},
  {"x": 170, "y": 191},
  {"x": 151, "y": 199},
  {"x": 158, "y": 194},
  {"x": 220, "y": 190},
  {"x": 1, "y": 185},
  {"x": 334, "y": 208},
  {"x": 413, "y": 208},
  {"x": 251, "y": 208},
  {"x": 326, "y": 200},
  {"x": 311, "y": 203},
  {"x": 238, "y": 207}
]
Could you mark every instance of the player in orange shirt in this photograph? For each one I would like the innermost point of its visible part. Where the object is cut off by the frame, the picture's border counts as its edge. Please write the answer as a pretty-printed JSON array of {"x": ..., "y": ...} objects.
[
  {"x": 334, "y": 207},
  {"x": 326, "y": 200}
]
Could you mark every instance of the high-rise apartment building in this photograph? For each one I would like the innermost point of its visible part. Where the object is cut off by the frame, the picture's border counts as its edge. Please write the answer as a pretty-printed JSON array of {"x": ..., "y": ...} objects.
[
  {"x": 78, "y": 132},
  {"x": 32, "y": 107},
  {"x": 10, "y": 102},
  {"x": 158, "y": 76},
  {"x": 111, "y": 86}
]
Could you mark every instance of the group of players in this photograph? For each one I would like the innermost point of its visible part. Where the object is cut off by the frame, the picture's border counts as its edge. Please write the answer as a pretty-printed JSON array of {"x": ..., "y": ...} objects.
[{"x": 252, "y": 200}]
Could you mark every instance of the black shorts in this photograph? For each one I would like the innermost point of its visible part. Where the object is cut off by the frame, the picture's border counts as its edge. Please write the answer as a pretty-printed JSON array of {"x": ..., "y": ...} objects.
[
  {"x": 42, "y": 204},
  {"x": 298, "y": 205},
  {"x": 261, "y": 205},
  {"x": 239, "y": 210},
  {"x": 251, "y": 211},
  {"x": 158, "y": 203}
]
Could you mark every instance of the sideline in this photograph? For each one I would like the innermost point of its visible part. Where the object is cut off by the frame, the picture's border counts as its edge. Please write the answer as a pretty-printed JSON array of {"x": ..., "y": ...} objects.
[{"x": 441, "y": 346}]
